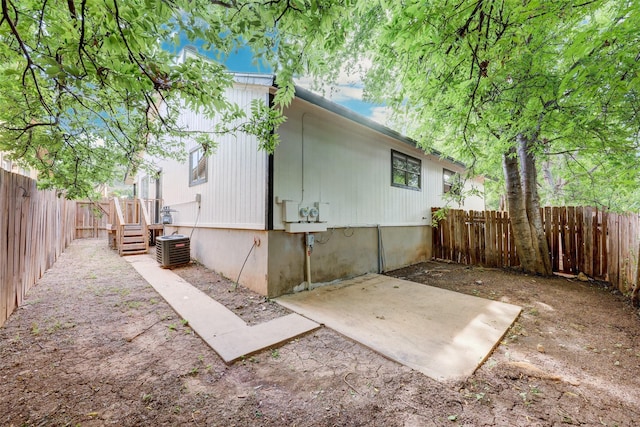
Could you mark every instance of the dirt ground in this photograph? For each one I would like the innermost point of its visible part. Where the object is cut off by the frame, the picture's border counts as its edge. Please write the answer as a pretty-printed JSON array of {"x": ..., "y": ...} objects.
[{"x": 95, "y": 345}]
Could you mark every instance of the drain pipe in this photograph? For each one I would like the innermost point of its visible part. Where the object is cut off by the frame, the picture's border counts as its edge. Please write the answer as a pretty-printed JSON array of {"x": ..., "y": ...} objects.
[
  {"x": 379, "y": 250},
  {"x": 309, "y": 240}
]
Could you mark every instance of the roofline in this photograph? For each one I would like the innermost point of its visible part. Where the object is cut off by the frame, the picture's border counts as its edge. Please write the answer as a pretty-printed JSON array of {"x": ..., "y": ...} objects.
[
  {"x": 262, "y": 79},
  {"x": 247, "y": 78},
  {"x": 254, "y": 79},
  {"x": 326, "y": 104}
]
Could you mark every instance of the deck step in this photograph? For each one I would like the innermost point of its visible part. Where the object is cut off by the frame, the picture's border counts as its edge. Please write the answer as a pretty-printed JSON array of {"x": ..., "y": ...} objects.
[
  {"x": 139, "y": 252},
  {"x": 133, "y": 246},
  {"x": 133, "y": 240}
]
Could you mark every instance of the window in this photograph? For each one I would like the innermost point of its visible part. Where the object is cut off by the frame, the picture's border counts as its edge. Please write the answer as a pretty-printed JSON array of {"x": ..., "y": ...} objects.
[
  {"x": 406, "y": 171},
  {"x": 451, "y": 182},
  {"x": 197, "y": 167}
]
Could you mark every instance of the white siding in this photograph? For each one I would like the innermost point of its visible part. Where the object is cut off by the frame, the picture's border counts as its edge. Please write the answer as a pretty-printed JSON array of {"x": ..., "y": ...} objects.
[
  {"x": 323, "y": 157},
  {"x": 234, "y": 195}
]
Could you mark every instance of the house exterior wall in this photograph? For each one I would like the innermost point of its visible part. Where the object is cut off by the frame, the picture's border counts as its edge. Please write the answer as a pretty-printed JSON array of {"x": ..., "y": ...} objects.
[
  {"x": 234, "y": 195},
  {"x": 373, "y": 226},
  {"x": 276, "y": 264},
  {"x": 226, "y": 250},
  {"x": 341, "y": 253},
  {"x": 323, "y": 157},
  {"x": 12, "y": 166},
  {"x": 231, "y": 214}
]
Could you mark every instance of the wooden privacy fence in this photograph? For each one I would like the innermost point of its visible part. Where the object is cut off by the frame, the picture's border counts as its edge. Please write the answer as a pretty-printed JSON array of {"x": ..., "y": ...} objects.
[
  {"x": 35, "y": 227},
  {"x": 92, "y": 219},
  {"x": 600, "y": 244}
]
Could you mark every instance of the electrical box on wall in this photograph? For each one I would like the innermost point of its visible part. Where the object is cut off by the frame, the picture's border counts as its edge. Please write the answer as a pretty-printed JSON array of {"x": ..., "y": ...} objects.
[{"x": 303, "y": 218}]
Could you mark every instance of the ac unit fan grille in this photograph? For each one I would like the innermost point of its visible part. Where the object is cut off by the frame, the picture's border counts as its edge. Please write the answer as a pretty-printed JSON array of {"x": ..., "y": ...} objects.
[{"x": 173, "y": 250}]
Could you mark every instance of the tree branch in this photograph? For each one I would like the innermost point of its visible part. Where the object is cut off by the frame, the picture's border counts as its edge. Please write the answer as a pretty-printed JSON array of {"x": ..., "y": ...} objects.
[
  {"x": 72, "y": 9},
  {"x": 25, "y": 51},
  {"x": 132, "y": 55}
]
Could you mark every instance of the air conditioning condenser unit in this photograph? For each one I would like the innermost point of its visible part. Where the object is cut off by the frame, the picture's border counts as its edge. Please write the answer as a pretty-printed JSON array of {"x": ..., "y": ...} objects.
[{"x": 173, "y": 250}]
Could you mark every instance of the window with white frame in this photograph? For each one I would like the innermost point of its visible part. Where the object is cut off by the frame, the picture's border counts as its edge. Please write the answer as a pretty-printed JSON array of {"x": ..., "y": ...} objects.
[
  {"x": 406, "y": 171},
  {"x": 197, "y": 167}
]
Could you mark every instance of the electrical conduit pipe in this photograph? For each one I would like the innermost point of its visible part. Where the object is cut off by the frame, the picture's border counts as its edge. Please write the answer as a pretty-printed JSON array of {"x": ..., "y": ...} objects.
[{"x": 308, "y": 239}]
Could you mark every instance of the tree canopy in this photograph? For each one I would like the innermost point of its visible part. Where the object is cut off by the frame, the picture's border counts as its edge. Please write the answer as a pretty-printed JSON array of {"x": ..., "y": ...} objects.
[
  {"x": 86, "y": 85},
  {"x": 546, "y": 88},
  {"x": 473, "y": 75},
  {"x": 515, "y": 85}
]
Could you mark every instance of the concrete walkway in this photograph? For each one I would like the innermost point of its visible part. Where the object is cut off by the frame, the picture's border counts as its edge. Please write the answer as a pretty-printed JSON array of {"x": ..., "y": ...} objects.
[
  {"x": 443, "y": 334},
  {"x": 227, "y": 334}
]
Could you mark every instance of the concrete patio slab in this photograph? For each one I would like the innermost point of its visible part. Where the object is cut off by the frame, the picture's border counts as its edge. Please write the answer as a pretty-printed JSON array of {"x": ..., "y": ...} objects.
[
  {"x": 227, "y": 334},
  {"x": 443, "y": 334}
]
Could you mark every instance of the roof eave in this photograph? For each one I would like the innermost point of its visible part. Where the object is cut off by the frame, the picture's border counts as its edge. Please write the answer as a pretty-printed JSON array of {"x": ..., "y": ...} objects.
[{"x": 324, "y": 103}]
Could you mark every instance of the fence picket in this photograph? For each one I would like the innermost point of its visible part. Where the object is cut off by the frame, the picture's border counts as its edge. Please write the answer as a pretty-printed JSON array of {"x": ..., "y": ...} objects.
[
  {"x": 4, "y": 244},
  {"x": 602, "y": 241},
  {"x": 499, "y": 240},
  {"x": 487, "y": 238},
  {"x": 466, "y": 237},
  {"x": 555, "y": 238},
  {"x": 571, "y": 245},
  {"x": 579, "y": 239},
  {"x": 588, "y": 242},
  {"x": 546, "y": 220},
  {"x": 613, "y": 237}
]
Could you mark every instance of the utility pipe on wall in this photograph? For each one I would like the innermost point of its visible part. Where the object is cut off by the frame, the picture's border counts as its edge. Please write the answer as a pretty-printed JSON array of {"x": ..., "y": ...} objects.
[
  {"x": 379, "y": 250},
  {"x": 308, "y": 240}
]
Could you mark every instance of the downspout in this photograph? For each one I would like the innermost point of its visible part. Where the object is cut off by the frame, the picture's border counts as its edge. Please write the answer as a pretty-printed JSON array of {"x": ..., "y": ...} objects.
[
  {"x": 308, "y": 238},
  {"x": 270, "y": 184},
  {"x": 379, "y": 250},
  {"x": 158, "y": 196},
  {"x": 302, "y": 154}
]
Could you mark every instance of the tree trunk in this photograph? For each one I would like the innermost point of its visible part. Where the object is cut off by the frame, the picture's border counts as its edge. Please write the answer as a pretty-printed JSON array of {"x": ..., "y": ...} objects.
[{"x": 524, "y": 208}]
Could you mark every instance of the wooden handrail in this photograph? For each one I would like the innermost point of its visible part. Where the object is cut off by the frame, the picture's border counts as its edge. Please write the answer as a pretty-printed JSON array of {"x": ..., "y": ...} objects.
[
  {"x": 145, "y": 211},
  {"x": 119, "y": 214},
  {"x": 119, "y": 225},
  {"x": 144, "y": 222}
]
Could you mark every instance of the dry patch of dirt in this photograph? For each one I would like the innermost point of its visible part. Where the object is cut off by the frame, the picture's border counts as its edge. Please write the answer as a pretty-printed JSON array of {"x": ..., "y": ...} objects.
[
  {"x": 95, "y": 345},
  {"x": 246, "y": 304}
]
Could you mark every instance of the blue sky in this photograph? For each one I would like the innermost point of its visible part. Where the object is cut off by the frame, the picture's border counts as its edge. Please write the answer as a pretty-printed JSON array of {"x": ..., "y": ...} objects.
[{"x": 347, "y": 92}]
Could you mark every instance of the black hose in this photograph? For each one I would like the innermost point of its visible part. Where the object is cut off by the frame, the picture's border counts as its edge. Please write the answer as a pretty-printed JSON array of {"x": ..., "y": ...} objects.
[{"x": 243, "y": 264}]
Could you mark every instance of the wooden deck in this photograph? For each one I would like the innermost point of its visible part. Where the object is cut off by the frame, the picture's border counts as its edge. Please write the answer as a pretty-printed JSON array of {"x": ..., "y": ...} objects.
[{"x": 130, "y": 230}]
